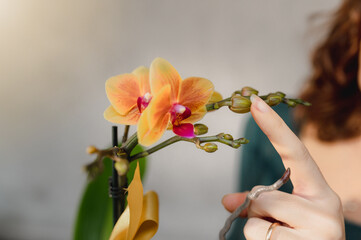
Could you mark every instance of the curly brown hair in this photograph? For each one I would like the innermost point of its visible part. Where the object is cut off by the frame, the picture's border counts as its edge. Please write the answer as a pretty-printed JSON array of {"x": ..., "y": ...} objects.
[{"x": 333, "y": 86}]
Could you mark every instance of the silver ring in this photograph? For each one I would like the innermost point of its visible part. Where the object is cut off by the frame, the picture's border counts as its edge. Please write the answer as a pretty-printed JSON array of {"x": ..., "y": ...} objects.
[{"x": 270, "y": 229}]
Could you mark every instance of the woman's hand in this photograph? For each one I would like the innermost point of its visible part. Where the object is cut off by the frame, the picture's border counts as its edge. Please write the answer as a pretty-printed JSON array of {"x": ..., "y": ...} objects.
[{"x": 312, "y": 211}]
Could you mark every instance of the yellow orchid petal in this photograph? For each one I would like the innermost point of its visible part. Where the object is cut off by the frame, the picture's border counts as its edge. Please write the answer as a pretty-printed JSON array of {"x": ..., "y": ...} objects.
[
  {"x": 196, "y": 115},
  {"x": 140, "y": 219},
  {"x": 195, "y": 92},
  {"x": 162, "y": 73},
  {"x": 142, "y": 74},
  {"x": 154, "y": 120},
  {"x": 131, "y": 118},
  {"x": 120, "y": 229},
  {"x": 159, "y": 106},
  {"x": 148, "y": 135},
  {"x": 216, "y": 97},
  {"x": 123, "y": 92},
  {"x": 150, "y": 217},
  {"x": 135, "y": 202}
]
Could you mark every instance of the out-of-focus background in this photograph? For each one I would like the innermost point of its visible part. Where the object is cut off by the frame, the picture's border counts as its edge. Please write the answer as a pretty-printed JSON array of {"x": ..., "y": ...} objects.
[{"x": 54, "y": 59}]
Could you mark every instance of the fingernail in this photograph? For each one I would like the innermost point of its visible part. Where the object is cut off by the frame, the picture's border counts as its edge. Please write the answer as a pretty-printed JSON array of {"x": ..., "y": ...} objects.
[{"x": 259, "y": 103}]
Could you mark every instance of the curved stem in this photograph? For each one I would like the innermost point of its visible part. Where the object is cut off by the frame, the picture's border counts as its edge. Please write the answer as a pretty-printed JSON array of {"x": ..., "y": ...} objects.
[
  {"x": 155, "y": 148},
  {"x": 125, "y": 135},
  {"x": 256, "y": 191},
  {"x": 130, "y": 143},
  {"x": 196, "y": 140},
  {"x": 218, "y": 105}
]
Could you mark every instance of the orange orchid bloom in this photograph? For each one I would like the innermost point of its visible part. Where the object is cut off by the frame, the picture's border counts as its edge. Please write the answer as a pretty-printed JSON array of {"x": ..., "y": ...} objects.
[
  {"x": 175, "y": 103},
  {"x": 129, "y": 94}
]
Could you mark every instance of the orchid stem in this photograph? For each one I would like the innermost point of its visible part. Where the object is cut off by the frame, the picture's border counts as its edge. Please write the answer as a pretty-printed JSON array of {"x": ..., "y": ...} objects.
[
  {"x": 125, "y": 135},
  {"x": 155, "y": 148},
  {"x": 196, "y": 140},
  {"x": 218, "y": 105},
  {"x": 130, "y": 144}
]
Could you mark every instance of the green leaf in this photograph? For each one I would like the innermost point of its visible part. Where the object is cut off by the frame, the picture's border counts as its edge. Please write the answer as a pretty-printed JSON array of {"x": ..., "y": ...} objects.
[{"x": 95, "y": 213}]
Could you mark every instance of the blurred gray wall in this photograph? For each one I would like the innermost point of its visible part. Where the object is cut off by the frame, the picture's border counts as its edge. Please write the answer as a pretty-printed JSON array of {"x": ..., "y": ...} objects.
[{"x": 55, "y": 57}]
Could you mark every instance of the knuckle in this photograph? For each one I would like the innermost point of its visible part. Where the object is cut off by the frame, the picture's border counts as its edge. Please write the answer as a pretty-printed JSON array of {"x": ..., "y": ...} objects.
[
  {"x": 332, "y": 227},
  {"x": 333, "y": 202},
  {"x": 335, "y": 199},
  {"x": 298, "y": 151},
  {"x": 302, "y": 152},
  {"x": 334, "y": 231}
]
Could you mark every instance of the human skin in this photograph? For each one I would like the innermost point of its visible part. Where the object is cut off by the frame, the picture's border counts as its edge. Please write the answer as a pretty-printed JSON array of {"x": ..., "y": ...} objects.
[{"x": 312, "y": 211}]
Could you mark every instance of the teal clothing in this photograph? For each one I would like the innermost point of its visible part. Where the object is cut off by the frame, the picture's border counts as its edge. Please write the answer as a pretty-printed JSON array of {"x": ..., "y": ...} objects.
[{"x": 261, "y": 165}]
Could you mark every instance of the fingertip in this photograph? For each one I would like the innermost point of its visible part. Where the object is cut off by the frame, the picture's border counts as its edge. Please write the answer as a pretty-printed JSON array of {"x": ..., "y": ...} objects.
[
  {"x": 258, "y": 104},
  {"x": 226, "y": 198},
  {"x": 233, "y": 200}
]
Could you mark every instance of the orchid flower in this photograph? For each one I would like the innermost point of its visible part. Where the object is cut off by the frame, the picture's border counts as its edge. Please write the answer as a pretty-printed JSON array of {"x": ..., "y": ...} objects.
[
  {"x": 176, "y": 104},
  {"x": 139, "y": 221},
  {"x": 129, "y": 94}
]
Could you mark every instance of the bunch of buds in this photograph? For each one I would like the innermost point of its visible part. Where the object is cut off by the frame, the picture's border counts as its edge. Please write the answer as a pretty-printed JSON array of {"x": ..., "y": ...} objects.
[{"x": 240, "y": 101}]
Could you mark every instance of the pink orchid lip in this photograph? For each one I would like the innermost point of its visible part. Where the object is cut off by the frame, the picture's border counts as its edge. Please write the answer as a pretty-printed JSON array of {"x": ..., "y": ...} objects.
[
  {"x": 178, "y": 113},
  {"x": 143, "y": 102},
  {"x": 184, "y": 130}
]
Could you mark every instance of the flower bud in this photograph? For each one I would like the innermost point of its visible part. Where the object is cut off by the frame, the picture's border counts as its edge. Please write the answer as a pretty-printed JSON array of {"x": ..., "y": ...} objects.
[
  {"x": 200, "y": 129},
  {"x": 210, "y": 147},
  {"x": 290, "y": 102},
  {"x": 238, "y": 142},
  {"x": 122, "y": 167},
  {"x": 91, "y": 150},
  {"x": 228, "y": 137},
  {"x": 273, "y": 99},
  {"x": 248, "y": 91},
  {"x": 240, "y": 104},
  {"x": 281, "y": 94}
]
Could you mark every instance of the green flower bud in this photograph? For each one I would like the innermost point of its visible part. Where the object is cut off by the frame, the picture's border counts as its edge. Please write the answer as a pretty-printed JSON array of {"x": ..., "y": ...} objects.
[
  {"x": 273, "y": 99},
  {"x": 281, "y": 94},
  {"x": 91, "y": 150},
  {"x": 210, "y": 147},
  {"x": 242, "y": 140},
  {"x": 248, "y": 91},
  {"x": 228, "y": 137},
  {"x": 238, "y": 142},
  {"x": 200, "y": 129},
  {"x": 240, "y": 104},
  {"x": 290, "y": 103},
  {"x": 122, "y": 167}
]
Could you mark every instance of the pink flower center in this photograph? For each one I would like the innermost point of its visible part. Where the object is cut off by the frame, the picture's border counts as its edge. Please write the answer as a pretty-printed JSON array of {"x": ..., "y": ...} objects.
[
  {"x": 178, "y": 113},
  {"x": 144, "y": 101}
]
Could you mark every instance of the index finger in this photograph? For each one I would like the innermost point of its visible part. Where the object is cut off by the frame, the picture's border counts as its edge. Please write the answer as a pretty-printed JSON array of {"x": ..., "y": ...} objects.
[{"x": 306, "y": 177}]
